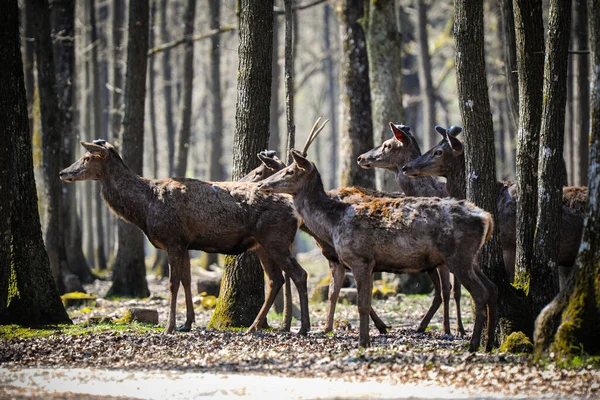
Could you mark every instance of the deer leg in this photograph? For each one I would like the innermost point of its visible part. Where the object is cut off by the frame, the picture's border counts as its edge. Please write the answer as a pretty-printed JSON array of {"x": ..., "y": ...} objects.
[
  {"x": 436, "y": 302},
  {"x": 186, "y": 280},
  {"x": 364, "y": 285},
  {"x": 379, "y": 324},
  {"x": 336, "y": 272},
  {"x": 456, "y": 293},
  {"x": 300, "y": 277},
  {"x": 275, "y": 280},
  {"x": 175, "y": 261},
  {"x": 492, "y": 309}
]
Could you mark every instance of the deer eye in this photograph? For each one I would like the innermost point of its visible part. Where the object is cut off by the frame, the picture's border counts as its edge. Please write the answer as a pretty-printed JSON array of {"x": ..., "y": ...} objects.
[
  {"x": 290, "y": 172},
  {"x": 438, "y": 153},
  {"x": 386, "y": 147},
  {"x": 259, "y": 173}
]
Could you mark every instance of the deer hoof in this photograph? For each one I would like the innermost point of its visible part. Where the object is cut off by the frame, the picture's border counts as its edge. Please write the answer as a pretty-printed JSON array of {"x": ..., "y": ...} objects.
[
  {"x": 461, "y": 333},
  {"x": 303, "y": 332},
  {"x": 184, "y": 328},
  {"x": 251, "y": 330},
  {"x": 383, "y": 329},
  {"x": 169, "y": 330},
  {"x": 421, "y": 329}
]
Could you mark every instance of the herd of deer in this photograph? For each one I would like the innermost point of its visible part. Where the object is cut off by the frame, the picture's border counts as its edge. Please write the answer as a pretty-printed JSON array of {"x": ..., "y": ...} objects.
[{"x": 430, "y": 227}]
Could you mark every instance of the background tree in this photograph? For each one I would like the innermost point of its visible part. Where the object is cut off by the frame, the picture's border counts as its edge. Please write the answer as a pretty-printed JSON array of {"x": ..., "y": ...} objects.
[
  {"x": 425, "y": 78},
  {"x": 129, "y": 269},
  {"x": 331, "y": 93},
  {"x": 509, "y": 52},
  {"x": 529, "y": 30},
  {"x": 28, "y": 294},
  {"x": 356, "y": 130},
  {"x": 242, "y": 288},
  {"x": 581, "y": 112},
  {"x": 568, "y": 326}
]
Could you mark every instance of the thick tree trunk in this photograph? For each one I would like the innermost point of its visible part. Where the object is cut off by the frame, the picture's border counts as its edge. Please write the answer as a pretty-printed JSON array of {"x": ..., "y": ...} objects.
[
  {"x": 32, "y": 297},
  {"x": 474, "y": 107},
  {"x": 582, "y": 111},
  {"x": 570, "y": 324},
  {"x": 544, "y": 271},
  {"x": 167, "y": 87},
  {"x": 530, "y": 58},
  {"x": 28, "y": 59},
  {"x": 332, "y": 103},
  {"x": 384, "y": 47},
  {"x": 129, "y": 270},
  {"x": 425, "y": 79},
  {"x": 242, "y": 287},
  {"x": 355, "y": 97},
  {"x": 274, "y": 134},
  {"x": 63, "y": 30},
  {"x": 188, "y": 87}
]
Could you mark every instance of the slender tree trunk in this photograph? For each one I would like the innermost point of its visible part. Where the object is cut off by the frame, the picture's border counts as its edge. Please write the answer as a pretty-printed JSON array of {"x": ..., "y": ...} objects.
[
  {"x": 29, "y": 294},
  {"x": 355, "y": 96},
  {"x": 242, "y": 287},
  {"x": 129, "y": 270},
  {"x": 530, "y": 58},
  {"x": 332, "y": 104},
  {"x": 118, "y": 22},
  {"x": 274, "y": 136},
  {"x": 188, "y": 87},
  {"x": 582, "y": 126},
  {"x": 384, "y": 47},
  {"x": 509, "y": 50},
  {"x": 151, "y": 94},
  {"x": 570, "y": 324},
  {"x": 544, "y": 271},
  {"x": 99, "y": 251},
  {"x": 63, "y": 31},
  {"x": 167, "y": 87},
  {"x": 570, "y": 121},
  {"x": 425, "y": 80}
]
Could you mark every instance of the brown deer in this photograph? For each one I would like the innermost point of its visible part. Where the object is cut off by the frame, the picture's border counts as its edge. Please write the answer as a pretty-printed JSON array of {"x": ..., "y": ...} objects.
[
  {"x": 179, "y": 214},
  {"x": 447, "y": 159},
  {"x": 398, "y": 235},
  {"x": 439, "y": 277},
  {"x": 391, "y": 155}
]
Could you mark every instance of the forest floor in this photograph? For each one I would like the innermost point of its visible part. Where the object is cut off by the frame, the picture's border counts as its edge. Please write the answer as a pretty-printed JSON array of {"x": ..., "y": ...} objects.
[{"x": 138, "y": 361}]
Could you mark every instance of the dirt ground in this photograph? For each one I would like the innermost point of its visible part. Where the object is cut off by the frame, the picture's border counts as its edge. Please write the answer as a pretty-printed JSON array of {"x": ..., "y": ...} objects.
[{"x": 428, "y": 365}]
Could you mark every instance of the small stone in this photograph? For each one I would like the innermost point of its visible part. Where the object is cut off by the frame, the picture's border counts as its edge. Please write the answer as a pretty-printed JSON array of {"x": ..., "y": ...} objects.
[{"x": 144, "y": 315}]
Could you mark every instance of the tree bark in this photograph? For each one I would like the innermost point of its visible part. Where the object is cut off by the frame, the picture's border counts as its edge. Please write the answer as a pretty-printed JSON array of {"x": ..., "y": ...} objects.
[
  {"x": 582, "y": 111},
  {"x": 530, "y": 59},
  {"x": 28, "y": 59},
  {"x": 118, "y": 22},
  {"x": 129, "y": 270},
  {"x": 242, "y": 287},
  {"x": 474, "y": 107},
  {"x": 570, "y": 120},
  {"x": 151, "y": 94},
  {"x": 167, "y": 87},
  {"x": 274, "y": 134},
  {"x": 63, "y": 30},
  {"x": 188, "y": 87},
  {"x": 32, "y": 297},
  {"x": 355, "y": 97},
  {"x": 509, "y": 52},
  {"x": 425, "y": 79},
  {"x": 544, "y": 270},
  {"x": 332, "y": 103},
  {"x": 569, "y": 325}
]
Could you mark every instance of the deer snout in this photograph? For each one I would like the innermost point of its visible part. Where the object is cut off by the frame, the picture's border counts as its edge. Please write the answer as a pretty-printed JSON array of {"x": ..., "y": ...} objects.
[{"x": 362, "y": 161}]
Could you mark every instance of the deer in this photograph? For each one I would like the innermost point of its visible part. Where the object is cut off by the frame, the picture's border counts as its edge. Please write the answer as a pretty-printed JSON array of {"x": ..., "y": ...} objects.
[
  {"x": 181, "y": 214},
  {"x": 396, "y": 234},
  {"x": 391, "y": 155},
  {"x": 447, "y": 159}
]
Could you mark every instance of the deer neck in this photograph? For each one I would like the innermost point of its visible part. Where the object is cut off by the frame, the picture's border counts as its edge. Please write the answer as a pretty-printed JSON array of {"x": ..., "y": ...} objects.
[
  {"x": 127, "y": 194},
  {"x": 319, "y": 212},
  {"x": 426, "y": 186},
  {"x": 456, "y": 181}
]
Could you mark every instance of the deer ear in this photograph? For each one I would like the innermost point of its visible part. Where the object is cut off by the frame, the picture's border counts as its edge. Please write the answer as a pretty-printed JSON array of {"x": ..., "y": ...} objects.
[
  {"x": 273, "y": 163},
  {"x": 456, "y": 145},
  {"x": 95, "y": 149},
  {"x": 441, "y": 131},
  {"x": 400, "y": 132},
  {"x": 302, "y": 162},
  {"x": 454, "y": 130}
]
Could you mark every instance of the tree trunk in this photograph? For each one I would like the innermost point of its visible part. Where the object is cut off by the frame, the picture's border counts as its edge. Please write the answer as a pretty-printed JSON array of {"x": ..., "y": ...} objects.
[
  {"x": 474, "y": 107},
  {"x": 582, "y": 126},
  {"x": 151, "y": 94},
  {"x": 242, "y": 287},
  {"x": 570, "y": 324},
  {"x": 570, "y": 121},
  {"x": 118, "y": 22},
  {"x": 332, "y": 104},
  {"x": 384, "y": 47},
  {"x": 188, "y": 87},
  {"x": 355, "y": 96},
  {"x": 530, "y": 59},
  {"x": 544, "y": 270},
  {"x": 28, "y": 59},
  {"x": 274, "y": 134},
  {"x": 29, "y": 294},
  {"x": 425, "y": 80},
  {"x": 129, "y": 270},
  {"x": 167, "y": 87},
  {"x": 509, "y": 50},
  {"x": 63, "y": 30},
  {"x": 99, "y": 251}
]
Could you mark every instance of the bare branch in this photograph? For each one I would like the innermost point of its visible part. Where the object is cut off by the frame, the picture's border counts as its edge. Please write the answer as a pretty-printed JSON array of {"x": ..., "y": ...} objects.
[
  {"x": 187, "y": 39},
  {"x": 281, "y": 10}
]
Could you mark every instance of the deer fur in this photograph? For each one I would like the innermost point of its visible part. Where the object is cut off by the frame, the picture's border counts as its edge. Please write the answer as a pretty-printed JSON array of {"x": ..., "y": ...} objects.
[
  {"x": 391, "y": 155},
  {"x": 398, "y": 235},
  {"x": 178, "y": 214},
  {"x": 447, "y": 159}
]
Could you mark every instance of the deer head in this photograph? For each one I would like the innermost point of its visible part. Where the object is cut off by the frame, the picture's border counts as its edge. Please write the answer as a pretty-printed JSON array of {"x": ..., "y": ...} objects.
[
  {"x": 290, "y": 179},
  {"x": 438, "y": 159},
  {"x": 270, "y": 164},
  {"x": 394, "y": 152},
  {"x": 92, "y": 165}
]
